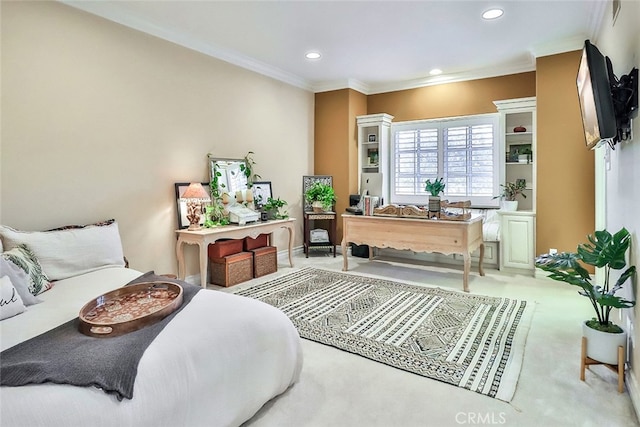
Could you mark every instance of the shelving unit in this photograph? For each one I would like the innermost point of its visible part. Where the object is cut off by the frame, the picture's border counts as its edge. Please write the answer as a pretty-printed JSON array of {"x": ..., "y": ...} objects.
[
  {"x": 515, "y": 113},
  {"x": 518, "y": 142},
  {"x": 373, "y": 150}
]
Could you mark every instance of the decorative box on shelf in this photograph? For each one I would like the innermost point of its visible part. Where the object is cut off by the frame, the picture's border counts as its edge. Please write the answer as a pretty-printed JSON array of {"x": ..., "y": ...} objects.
[
  {"x": 231, "y": 269},
  {"x": 265, "y": 261}
]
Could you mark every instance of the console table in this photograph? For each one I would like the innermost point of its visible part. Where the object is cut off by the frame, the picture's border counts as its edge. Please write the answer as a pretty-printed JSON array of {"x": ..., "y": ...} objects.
[
  {"x": 206, "y": 236},
  {"x": 419, "y": 235}
]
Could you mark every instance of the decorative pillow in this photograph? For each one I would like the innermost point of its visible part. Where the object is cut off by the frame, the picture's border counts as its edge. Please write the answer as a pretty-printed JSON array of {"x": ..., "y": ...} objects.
[
  {"x": 72, "y": 250},
  {"x": 10, "y": 301},
  {"x": 27, "y": 261},
  {"x": 19, "y": 279}
]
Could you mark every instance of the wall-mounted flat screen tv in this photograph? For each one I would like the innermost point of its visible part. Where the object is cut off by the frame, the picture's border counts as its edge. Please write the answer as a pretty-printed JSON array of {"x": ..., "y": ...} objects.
[{"x": 594, "y": 93}]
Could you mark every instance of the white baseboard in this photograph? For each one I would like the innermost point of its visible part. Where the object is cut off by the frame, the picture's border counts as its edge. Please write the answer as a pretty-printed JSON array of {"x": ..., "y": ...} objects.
[{"x": 634, "y": 391}]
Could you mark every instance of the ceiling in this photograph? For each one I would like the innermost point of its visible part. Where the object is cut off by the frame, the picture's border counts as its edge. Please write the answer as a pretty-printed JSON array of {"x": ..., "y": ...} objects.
[{"x": 370, "y": 46}]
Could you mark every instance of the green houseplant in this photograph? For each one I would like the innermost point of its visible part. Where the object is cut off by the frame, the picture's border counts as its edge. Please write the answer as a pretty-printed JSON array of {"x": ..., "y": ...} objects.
[
  {"x": 434, "y": 189},
  {"x": 510, "y": 191},
  {"x": 322, "y": 196},
  {"x": 607, "y": 251},
  {"x": 273, "y": 208}
]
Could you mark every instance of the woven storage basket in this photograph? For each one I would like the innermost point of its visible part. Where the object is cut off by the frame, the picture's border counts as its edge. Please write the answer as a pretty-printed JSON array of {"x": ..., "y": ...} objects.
[
  {"x": 231, "y": 269},
  {"x": 265, "y": 261}
]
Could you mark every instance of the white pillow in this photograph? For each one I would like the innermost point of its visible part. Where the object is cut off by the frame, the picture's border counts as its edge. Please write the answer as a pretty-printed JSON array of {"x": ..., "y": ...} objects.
[
  {"x": 19, "y": 279},
  {"x": 10, "y": 301},
  {"x": 24, "y": 259},
  {"x": 70, "y": 251}
]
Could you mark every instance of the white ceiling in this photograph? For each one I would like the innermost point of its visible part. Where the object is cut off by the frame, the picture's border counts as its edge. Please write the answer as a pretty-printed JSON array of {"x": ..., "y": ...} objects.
[{"x": 370, "y": 46}]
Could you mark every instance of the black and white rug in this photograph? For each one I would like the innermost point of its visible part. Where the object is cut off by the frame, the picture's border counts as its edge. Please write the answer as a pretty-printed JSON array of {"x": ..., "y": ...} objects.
[{"x": 471, "y": 341}]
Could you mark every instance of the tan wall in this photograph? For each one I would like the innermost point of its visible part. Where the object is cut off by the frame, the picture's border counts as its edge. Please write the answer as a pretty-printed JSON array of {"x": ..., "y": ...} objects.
[
  {"x": 100, "y": 121},
  {"x": 452, "y": 99},
  {"x": 335, "y": 142},
  {"x": 566, "y": 186}
]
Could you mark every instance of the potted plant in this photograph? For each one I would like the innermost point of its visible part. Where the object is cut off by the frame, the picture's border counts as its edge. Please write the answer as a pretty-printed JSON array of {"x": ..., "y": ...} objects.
[
  {"x": 603, "y": 251},
  {"x": 434, "y": 189},
  {"x": 322, "y": 196},
  {"x": 273, "y": 208},
  {"x": 510, "y": 191}
]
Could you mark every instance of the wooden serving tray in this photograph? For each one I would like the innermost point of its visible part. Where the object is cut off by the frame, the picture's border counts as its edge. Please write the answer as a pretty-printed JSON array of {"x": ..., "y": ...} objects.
[{"x": 129, "y": 308}]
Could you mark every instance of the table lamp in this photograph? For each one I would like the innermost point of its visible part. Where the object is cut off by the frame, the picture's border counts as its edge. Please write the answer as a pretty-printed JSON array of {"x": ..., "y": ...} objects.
[{"x": 195, "y": 195}]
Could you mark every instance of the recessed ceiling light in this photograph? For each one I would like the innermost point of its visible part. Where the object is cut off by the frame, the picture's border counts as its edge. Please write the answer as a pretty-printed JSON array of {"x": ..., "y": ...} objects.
[
  {"x": 435, "y": 72},
  {"x": 493, "y": 13},
  {"x": 312, "y": 55}
]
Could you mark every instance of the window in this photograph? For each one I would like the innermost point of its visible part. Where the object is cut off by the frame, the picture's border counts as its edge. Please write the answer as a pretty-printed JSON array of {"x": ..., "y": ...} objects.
[{"x": 464, "y": 151}]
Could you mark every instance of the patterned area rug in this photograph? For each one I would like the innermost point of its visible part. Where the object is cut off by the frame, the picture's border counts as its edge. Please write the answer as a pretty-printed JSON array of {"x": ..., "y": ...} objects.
[{"x": 471, "y": 341}]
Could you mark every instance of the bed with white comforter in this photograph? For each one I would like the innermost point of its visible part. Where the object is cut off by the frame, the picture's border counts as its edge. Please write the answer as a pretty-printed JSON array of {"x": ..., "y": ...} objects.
[{"x": 215, "y": 364}]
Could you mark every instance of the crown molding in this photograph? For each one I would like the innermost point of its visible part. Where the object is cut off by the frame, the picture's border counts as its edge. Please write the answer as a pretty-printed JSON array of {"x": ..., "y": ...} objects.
[
  {"x": 119, "y": 15},
  {"x": 107, "y": 11}
]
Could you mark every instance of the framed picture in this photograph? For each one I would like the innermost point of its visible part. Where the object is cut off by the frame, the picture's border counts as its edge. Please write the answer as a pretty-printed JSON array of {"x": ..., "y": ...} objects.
[
  {"x": 517, "y": 150},
  {"x": 307, "y": 182},
  {"x": 181, "y": 205},
  {"x": 261, "y": 192},
  {"x": 372, "y": 137}
]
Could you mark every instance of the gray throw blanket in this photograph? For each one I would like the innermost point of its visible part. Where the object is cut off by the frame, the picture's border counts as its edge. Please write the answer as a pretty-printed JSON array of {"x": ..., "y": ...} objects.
[{"x": 65, "y": 356}]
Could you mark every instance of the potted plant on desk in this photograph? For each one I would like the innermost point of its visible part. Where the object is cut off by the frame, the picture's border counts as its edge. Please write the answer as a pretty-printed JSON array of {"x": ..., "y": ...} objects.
[
  {"x": 603, "y": 251},
  {"x": 273, "y": 208},
  {"x": 434, "y": 188},
  {"x": 322, "y": 197}
]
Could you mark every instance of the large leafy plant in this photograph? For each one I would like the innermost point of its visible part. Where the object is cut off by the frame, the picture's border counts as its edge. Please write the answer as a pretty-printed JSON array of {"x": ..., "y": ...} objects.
[
  {"x": 603, "y": 250},
  {"x": 321, "y": 192}
]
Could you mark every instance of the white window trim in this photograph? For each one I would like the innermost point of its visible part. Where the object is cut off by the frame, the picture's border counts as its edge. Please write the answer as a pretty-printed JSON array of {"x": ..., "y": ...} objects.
[{"x": 492, "y": 118}]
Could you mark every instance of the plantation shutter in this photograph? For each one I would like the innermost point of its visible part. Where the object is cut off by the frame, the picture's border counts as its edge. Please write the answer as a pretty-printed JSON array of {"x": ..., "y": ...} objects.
[{"x": 463, "y": 151}]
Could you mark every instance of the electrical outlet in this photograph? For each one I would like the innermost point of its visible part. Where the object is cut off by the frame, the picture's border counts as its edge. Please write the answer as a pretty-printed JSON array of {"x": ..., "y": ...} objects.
[{"x": 553, "y": 251}]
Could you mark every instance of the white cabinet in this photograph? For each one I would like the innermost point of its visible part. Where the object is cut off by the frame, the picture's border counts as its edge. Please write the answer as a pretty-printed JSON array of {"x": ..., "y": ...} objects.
[
  {"x": 374, "y": 132},
  {"x": 518, "y": 142},
  {"x": 517, "y": 242}
]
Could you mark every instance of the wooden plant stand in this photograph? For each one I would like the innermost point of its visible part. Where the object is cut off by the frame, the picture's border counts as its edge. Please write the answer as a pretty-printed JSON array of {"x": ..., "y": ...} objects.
[{"x": 619, "y": 368}]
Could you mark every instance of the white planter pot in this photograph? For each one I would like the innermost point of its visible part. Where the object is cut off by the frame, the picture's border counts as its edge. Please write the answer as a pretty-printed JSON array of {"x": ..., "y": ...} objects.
[
  {"x": 317, "y": 206},
  {"x": 603, "y": 346},
  {"x": 509, "y": 205}
]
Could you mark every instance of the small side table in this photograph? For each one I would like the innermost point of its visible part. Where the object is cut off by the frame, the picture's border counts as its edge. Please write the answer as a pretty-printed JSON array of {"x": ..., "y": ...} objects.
[{"x": 327, "y": 221}]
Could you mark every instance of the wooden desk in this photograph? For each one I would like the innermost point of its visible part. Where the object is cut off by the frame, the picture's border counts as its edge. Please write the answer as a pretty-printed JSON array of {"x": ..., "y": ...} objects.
[
  {"x": 419, "y": 235},
  {"x": 206, "y": 236}
]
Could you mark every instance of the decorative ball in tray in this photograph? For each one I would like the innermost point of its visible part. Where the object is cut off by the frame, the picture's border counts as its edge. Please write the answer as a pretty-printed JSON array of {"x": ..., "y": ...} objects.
[{"x": 129, "y": 308}]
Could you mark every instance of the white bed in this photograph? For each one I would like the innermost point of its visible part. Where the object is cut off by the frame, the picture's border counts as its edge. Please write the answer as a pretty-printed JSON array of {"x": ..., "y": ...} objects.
[{"x": 215, "y": 364}]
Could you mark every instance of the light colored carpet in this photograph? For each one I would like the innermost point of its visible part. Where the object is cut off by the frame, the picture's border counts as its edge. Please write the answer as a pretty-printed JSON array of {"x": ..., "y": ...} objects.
[
  {"x": 337, "y": 388},
  {"x": 467, "y": 340}
]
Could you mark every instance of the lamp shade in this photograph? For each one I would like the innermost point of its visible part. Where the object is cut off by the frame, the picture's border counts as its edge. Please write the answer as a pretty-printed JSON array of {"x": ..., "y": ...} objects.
[{"x": 195, "y": 190}]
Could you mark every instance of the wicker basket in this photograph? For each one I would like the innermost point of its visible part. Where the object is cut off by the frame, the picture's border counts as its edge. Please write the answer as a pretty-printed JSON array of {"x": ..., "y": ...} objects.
[
  {"x": 265, "y": 261},
  {"x": 231, "y": 269}
]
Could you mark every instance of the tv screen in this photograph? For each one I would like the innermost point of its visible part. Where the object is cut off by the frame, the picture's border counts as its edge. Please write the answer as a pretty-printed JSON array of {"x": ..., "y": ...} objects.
[{"x": 594, "y": 93}]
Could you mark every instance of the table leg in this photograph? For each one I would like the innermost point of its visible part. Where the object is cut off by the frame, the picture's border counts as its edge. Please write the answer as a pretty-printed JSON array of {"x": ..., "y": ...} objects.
[
  {"x": 465, "y": 276},
  {"x": 180, "y": 257},
  {"x": 204, "y": 263},
  {"x": 291, "y": 237},
  {"x": 345, "y": 261},
  {"x": 480, "y": 269}
]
